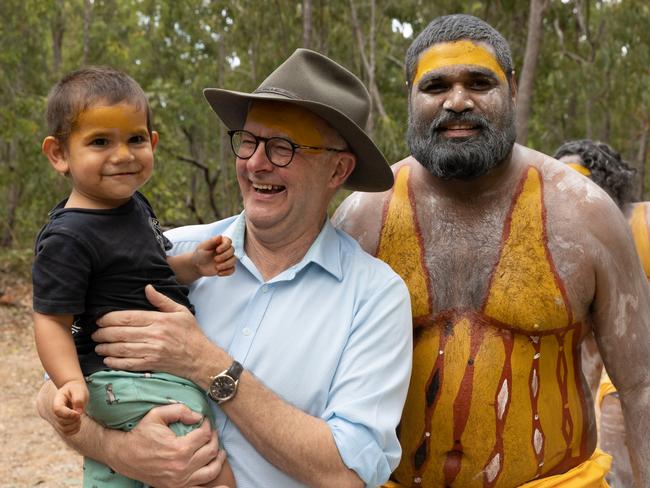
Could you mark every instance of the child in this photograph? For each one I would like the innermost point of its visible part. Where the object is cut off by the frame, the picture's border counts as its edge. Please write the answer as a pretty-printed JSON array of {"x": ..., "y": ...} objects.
[{"x": 99, "y": 250}]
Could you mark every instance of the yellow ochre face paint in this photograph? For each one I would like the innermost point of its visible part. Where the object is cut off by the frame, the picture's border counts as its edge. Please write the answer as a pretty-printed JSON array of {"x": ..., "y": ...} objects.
[
  {"x": 455, "y": 53},
  {"x": 124, "y": 117},
  {"x": 579, "y": 168},
  {"x": 296, "y": 123}
]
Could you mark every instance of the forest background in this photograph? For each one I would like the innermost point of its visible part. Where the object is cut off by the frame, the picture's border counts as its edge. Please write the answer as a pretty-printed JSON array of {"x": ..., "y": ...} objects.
[{"x": 583, "y": 68}]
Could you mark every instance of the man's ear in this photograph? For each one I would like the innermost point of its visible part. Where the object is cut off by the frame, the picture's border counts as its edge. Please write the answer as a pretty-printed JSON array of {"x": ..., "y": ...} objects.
[
  {"x": 345, "y": 163},
  {"x": 154, "y": 140},
  {"x": 55, "y": 153}
]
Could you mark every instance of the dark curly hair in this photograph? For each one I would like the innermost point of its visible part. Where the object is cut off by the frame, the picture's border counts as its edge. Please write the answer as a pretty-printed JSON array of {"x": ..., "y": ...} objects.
[{"x": 608, "y": 170}]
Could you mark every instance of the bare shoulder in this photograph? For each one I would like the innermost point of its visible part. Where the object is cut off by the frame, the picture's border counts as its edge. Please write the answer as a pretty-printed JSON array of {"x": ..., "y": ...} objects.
[
  {"x": 571, "y": 196},
  {"x": 361, "y": 214},
  {"x": 575, "y": 202}
]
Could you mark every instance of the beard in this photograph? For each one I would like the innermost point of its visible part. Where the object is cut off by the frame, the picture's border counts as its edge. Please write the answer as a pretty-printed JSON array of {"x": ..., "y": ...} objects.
[{"x": 462, "y": 158}]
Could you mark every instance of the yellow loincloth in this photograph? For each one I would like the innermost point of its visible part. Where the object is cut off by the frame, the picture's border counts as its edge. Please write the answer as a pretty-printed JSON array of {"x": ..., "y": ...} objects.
[
  {"x": 589, "y": 474},
  {"x": 606, "y": 388}
]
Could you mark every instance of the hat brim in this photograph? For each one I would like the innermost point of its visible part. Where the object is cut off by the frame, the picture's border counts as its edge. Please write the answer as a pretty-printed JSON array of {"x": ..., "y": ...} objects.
[{"x": 371, "y": 173}]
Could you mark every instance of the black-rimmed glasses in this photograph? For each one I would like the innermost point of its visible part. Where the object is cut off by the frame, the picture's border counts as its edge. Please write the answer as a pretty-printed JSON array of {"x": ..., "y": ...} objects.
[{"x": 279, "y": 151}]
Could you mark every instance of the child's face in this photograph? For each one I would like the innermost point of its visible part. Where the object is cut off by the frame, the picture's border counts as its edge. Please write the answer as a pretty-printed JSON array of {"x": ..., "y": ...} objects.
[{"x": 109, "y": 155}]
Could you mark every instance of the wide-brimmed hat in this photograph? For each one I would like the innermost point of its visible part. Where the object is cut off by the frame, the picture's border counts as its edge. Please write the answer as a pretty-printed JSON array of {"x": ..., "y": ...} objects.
[{"x": 310, "y": 80}]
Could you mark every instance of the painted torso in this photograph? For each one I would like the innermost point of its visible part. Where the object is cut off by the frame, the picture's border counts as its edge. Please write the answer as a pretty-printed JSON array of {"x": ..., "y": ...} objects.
[{"x": 496, "y": 395}]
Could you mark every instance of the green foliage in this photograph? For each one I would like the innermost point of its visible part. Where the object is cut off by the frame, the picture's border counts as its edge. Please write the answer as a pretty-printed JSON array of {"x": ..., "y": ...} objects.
[
  {"x": 16, "y": 263},
  {"x": 593, "y": 86}
]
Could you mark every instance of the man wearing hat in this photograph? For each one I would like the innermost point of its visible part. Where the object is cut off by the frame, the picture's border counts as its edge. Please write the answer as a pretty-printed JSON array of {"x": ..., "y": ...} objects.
[{"x": 306, "y": 348}]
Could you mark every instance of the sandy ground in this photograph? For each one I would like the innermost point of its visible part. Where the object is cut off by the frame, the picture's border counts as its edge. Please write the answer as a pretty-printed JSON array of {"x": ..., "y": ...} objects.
[{"x": 31, "y": 453}]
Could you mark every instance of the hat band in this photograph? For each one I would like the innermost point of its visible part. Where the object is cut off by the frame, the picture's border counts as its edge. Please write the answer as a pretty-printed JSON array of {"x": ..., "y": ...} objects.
[{"x": 276, "y": 91}]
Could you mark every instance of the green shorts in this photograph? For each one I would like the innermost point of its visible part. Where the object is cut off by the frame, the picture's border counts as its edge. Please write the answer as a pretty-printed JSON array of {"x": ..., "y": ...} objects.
[{"x": 119, "y": 400}]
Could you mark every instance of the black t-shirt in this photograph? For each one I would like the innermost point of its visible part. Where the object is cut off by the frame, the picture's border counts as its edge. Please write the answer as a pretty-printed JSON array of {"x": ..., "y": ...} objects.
[{"x": 90, "y": 262}]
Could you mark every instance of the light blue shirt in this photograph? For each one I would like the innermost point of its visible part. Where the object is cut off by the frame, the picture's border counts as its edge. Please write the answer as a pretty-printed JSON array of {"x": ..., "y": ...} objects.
[{"x": 331, "y": 335}]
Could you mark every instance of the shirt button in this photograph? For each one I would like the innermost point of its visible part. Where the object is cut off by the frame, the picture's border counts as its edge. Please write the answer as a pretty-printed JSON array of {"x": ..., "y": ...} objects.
[
  {"x": 265, "y": 288},
  {"x": 246, "y": 331}
]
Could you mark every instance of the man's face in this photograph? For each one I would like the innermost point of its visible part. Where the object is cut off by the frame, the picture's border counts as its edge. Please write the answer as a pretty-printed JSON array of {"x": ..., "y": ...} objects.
[
  {"x": 461, "y": 111},
  {"x": 292, "y": 199}
]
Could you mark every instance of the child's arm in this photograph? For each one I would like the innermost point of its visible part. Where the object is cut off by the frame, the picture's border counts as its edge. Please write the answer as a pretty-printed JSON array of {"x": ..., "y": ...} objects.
[
  {"x": 214, "y": 256},
  {"x": 57, "y": 352},
  {"x": 226, "y": 476}
]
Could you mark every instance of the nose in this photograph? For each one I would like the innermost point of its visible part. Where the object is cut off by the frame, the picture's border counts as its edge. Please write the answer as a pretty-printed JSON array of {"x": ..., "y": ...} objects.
[
  {"x": 122, "y": 154},
  {"x": 259, "y": 161},
  {"x": 458, "y": 100}
]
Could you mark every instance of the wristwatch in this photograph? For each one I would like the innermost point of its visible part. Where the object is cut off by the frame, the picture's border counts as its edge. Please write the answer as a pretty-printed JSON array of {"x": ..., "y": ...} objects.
[{"x": 224, "y": 386}]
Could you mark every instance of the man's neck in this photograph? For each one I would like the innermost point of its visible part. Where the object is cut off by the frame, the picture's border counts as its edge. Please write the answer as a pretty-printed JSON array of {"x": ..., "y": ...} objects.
[
  {"x": 475, "y": 190},
  {"x": 273, "y": 252}
]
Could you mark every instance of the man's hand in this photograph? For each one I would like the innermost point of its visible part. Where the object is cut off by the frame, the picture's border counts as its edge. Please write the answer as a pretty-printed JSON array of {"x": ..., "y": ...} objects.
[
  {"x": 214, "y": 256},
  {"x": 169, "y": 461},
  {"x": 69, "y": 403},
  {"x": 151, "y": 452},
  {"x": 169, "y": 340}
]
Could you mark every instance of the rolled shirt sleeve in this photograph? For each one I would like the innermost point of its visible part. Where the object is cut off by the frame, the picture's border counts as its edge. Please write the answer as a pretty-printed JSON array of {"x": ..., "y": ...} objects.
[{"x": 371, "y": 383}]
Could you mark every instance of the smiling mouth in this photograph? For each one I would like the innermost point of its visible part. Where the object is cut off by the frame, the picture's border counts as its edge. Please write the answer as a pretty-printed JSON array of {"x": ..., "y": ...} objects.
[
  {"x": 268, "y": 189},
  {"x": 123, "y": 173},
  {"x": 458, "y": 128}
]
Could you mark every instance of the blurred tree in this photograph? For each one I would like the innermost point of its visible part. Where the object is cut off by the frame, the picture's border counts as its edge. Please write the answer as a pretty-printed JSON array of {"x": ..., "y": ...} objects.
[{"x": 591, "y": 80}]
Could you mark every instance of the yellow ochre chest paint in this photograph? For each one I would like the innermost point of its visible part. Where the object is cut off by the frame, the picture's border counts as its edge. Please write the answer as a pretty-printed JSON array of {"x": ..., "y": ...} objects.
[{"x": 495, "y": 397}]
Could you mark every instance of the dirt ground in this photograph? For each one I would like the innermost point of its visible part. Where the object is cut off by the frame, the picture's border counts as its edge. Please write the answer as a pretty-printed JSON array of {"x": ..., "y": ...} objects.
[{"x": 31, "y": 453}]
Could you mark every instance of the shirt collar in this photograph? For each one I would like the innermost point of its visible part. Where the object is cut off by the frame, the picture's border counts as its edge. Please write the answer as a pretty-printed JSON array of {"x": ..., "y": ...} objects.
[{"x": 325, "y": 251}]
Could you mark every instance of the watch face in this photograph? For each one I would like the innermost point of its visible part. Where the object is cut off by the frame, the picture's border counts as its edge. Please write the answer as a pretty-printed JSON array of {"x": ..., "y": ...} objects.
[{"x": 222, "y": 388}]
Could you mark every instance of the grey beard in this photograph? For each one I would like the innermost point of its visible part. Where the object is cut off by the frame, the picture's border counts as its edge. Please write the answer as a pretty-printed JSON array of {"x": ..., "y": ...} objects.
[{"x": 464, "y": 159}]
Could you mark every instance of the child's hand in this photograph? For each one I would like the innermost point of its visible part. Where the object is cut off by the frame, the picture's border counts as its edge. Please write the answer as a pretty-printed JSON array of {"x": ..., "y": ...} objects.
[
  {"x": 69, "y": 403},
  {"x": 215, "y": 256}
]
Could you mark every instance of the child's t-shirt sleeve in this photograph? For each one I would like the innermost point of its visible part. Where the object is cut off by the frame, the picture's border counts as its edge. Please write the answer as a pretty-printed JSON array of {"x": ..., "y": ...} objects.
[{"x": 60, "y": 275}]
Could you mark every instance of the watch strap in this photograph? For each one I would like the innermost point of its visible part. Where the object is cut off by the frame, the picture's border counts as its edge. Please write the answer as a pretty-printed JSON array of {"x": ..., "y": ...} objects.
[{"x": 235, "y": 370}]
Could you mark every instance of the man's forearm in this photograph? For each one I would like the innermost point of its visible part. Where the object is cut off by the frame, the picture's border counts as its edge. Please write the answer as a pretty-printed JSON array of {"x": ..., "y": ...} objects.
[
  {"x": 297, "y": 443},
  {"x": 637, "y": 427}
]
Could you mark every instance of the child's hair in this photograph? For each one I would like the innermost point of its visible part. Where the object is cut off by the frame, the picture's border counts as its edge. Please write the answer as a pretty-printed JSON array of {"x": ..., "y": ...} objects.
[{"x": 78, "y": 90}]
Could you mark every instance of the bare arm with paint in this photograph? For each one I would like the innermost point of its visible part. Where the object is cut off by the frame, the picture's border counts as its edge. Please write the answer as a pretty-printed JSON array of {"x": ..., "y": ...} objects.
[{"x": 622, "y": 329}]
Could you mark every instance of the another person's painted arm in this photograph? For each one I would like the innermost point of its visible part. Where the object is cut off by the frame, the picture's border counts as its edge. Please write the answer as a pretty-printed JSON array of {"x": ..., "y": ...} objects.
[
  {"x": 622, "y": 330},
  {"x": 212, "y": 257},
  {"x": 151, "y": 452}
]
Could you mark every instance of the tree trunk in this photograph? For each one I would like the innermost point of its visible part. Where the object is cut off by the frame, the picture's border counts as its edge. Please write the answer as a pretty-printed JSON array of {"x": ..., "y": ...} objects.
[
  {"x": 641, "y": 159},
  {"x": 368, "y": 60},
  {"x": 58, "y": 29},
  {"x": 225, "y": 155},
  {"x": 306, "y": 23},
  {"x": 13, "y": 197},
  {"x": 88, "y": 7},
  {"x": 531, "y": 58}
]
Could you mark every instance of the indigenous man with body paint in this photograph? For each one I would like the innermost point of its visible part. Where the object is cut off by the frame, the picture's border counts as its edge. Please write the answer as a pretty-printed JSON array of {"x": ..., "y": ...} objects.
[
  {"x": 309, "y": 363},
  {"x": 603, "y": 165},
  {"x": 511, "y": 259}
]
